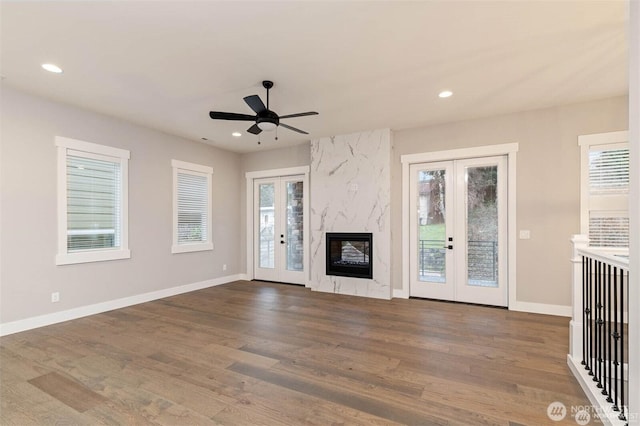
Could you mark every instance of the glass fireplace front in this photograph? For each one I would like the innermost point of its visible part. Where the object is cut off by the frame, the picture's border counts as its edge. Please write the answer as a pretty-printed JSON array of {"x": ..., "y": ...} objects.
[{"x": 349, "y": 254}]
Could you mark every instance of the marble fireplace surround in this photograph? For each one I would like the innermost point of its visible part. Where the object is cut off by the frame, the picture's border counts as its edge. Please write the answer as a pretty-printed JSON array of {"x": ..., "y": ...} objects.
[{"x": 350, "y": 191}]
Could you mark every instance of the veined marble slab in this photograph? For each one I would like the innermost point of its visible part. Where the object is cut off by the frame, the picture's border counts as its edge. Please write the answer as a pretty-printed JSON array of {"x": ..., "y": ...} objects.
[{"x": 350, "y": 191}]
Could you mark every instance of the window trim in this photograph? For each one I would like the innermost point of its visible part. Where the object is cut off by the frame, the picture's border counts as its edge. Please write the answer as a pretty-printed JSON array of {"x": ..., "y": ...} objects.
[
  {"x": 612, "y": 140},
  {"x": 95, "y": 151},
  {"x": 200, "y": 170}
]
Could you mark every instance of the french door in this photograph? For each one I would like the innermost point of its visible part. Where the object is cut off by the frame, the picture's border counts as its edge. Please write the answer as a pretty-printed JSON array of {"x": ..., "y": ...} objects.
[
  {"x": 458, "y": 229},
  {"x": 278, "y": 229}
]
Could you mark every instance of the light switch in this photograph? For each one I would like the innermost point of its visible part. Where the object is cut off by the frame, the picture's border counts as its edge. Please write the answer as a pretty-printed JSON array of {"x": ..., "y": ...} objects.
[
  {"x": 525, "y": 234},
  {"x": 354, "y": 187}
]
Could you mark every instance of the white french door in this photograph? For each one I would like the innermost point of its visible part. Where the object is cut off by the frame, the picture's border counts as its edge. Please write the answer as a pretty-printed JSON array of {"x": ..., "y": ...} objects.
[
  {"x": 279, "y": 229},
  {"x": 458, "y": 227}
]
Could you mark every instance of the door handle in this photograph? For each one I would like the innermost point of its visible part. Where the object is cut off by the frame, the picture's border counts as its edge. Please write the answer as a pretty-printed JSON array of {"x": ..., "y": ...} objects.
[
  {"x": 448, "y": 247},
  {"x": 282, "y": 242}
]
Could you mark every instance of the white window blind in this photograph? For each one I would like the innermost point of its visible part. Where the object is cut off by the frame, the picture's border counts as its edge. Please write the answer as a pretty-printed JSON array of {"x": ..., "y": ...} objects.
[
  {"x": 607, "y": 229},
  {"x": 92, "y": 202},
  {"x": 608, "y": 171},
  {"x": 605, "y": 189},
  {"x": 192, "y": 207}
]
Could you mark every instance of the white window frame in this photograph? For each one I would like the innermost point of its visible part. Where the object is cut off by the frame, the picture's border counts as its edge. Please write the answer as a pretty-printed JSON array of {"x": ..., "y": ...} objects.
[
  {"x": 101, "y": 152},
  {"x": 609, "y": 140},
  {"x": 196, "y": 169}
]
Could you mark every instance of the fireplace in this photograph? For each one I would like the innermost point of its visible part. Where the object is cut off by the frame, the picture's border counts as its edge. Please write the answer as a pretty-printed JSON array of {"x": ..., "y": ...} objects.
[{"x": 349, "y": 254}]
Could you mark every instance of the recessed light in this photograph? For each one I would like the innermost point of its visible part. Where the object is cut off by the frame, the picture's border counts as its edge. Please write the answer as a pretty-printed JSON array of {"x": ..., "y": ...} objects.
[
  {"x": 52, "y": 68},
  {"x": 236, "y": 134},
  {"x": 445, "y": 94}
]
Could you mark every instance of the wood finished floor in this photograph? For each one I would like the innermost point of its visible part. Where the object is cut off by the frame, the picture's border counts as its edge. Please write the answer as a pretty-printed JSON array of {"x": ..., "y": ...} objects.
[{"x": 250, "y": 353}]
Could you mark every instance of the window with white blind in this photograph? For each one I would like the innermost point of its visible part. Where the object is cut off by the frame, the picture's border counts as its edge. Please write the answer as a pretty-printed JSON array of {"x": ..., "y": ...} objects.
[
  {"x": 191, "y": 207},
  {"x": 605, "y": 189},
  {"x": 92, "y": 202}
]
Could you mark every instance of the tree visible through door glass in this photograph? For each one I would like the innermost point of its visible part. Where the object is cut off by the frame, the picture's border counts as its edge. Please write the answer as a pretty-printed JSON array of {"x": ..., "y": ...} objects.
[
  {"x": 267, "y": 224},
  {"x": 431, "y": 225},
  {"x": 482, "y": 226}
]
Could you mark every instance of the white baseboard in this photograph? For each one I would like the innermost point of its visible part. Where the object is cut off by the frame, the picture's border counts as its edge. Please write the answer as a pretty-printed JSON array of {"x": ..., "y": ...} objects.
[
  {"x": 534, "y": 308},
  {"x": 83, "y": 311},
  {"x": 542, "y": 308},
  {"x": 598, "y": 401},
  {"x": 400, "y": 293}
]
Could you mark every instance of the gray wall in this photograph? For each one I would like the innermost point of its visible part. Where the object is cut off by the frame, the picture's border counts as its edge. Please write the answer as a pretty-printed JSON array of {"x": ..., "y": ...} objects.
[
  {"x": 293, "y": 156},
  {"x": 548, "y": 183},
  {"x": 28, "y": 273},
  {"x": 547, "y": 199}
]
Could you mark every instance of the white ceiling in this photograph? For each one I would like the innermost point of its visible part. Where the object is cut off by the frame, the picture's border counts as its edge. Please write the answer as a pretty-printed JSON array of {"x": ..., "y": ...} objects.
[{"x": 361, "y": 65}]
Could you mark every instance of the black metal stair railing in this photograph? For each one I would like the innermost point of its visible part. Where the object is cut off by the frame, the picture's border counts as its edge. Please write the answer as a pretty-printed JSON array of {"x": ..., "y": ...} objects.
[
  {"x": 482, "y": 259},
  {"x": 604, "y": 287}
]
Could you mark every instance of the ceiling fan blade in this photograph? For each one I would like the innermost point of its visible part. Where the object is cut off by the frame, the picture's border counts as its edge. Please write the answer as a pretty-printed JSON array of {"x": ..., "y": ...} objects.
[
  {"x": 254, "y": 129},
  {"x": 217, "y": 115},
  {"x": 300, "y": 114},
  {"x": 255, "y": 103},
  {"x": 293, "y": 128}
]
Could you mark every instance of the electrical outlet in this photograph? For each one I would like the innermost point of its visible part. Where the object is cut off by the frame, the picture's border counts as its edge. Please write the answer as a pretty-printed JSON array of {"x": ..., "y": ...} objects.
[
  {"x": 525, "y": 234},
  {"x": 55, "y": 297},
  {"x": 224, "y": 267}
]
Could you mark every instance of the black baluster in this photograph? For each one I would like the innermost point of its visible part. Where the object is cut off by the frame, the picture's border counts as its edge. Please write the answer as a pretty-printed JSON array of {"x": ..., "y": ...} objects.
[
  {"x": 601, "y": 284},
  {"x": 607, "y": 389},
  {"x": 598, "y": 325},
  {"x": 622, "y": 400},
  {"x": 616, "y": 338},
  {"x": 589, "y": 323},
  {"x": 584, "y": 310}
]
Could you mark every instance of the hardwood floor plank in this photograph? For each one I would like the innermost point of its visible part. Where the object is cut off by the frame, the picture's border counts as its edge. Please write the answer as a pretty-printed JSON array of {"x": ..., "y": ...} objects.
[
  {"x": 68, "y": 391},
  {"x": 296, "y": 408},
  {"x": 357, "y": 402},
  {"x": 24, "y": 404},
  {"x": 252, "y": 353}
]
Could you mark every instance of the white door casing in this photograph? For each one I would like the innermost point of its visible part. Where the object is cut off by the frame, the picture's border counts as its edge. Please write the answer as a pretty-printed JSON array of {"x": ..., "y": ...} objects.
[
  {"x": 509, "y": 191},
  {"x": 458, "y": 230},
  {"x": 283, "y": 268}
]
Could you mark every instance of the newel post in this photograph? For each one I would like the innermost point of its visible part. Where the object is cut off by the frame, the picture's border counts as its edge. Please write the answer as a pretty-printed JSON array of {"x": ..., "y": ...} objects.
[{"x": 575, "y": 326}]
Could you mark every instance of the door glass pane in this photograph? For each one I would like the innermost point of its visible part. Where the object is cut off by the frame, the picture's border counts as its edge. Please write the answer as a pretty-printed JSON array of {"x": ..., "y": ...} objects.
[
  {"x": 267, "y": 224},
  {"x": 431, "y": 226},
  {"x": 295, "y": 247},
  {"x": 482, "y": 226}
]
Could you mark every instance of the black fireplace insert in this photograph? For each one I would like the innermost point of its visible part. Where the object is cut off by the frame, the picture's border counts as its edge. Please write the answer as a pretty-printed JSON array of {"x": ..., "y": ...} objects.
[{"x": 349, "y": 254}]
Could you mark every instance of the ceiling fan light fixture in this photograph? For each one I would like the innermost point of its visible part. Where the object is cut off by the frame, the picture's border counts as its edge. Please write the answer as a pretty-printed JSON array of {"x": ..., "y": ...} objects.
[
  {"x": 266, "y": 126},
  {"x": 265, "y": 119},
  {"x": 445, "y": 94}
]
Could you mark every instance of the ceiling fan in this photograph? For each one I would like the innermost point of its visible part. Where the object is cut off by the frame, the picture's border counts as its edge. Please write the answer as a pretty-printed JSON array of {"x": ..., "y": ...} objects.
[{"x": 265, "y": 119}]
